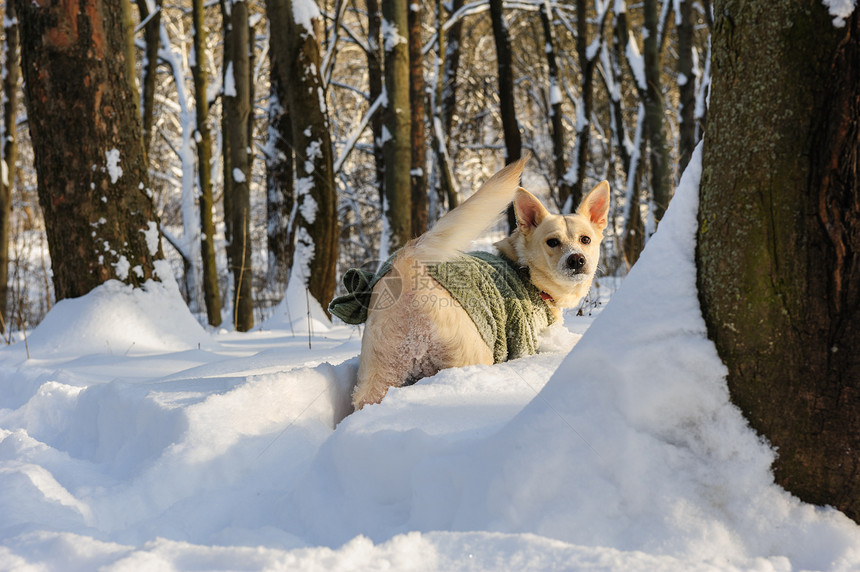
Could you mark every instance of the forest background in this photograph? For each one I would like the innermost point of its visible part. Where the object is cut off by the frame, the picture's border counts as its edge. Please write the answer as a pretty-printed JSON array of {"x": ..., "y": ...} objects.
[{"x": 287, "y": 139}]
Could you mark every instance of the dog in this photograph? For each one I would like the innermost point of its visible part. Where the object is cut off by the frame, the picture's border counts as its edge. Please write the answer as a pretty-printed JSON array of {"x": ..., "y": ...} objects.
[{"x": 417, "y": 327}]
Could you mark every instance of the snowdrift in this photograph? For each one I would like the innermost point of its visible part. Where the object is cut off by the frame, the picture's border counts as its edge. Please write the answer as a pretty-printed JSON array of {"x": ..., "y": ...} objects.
[{"x": 132, "y": 439}]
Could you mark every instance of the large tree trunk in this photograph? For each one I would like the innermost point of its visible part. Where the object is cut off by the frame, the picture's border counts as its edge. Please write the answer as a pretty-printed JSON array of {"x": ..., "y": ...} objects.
[
  {"x": 417, "y": 174},
  {"x": 398, "y": 123},
  {"x": 779, "y": 240},
  {"x": 211, "y": 293},
  {"x": 297, "y": 55},
  {"x": 85, "y": 126},
  {"x": 8, "y": 149},
  {"x": 237, "y": 110}
]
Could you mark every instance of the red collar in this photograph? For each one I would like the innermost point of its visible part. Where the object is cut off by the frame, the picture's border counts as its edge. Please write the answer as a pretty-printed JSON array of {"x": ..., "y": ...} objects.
[{"x": 546, "y": 297}]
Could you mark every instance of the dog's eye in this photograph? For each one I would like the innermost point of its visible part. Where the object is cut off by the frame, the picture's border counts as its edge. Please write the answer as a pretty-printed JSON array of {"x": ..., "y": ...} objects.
[
  {"x": 553, "y": 242},
  {"x": 585, "y": 239}
]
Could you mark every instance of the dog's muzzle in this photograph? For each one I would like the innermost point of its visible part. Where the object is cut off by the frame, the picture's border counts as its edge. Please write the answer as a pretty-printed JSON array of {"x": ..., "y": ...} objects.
[{"x": 575, "y": 263}]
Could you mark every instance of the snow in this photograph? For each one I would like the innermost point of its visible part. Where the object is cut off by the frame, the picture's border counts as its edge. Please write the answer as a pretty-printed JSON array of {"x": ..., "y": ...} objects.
[
  {"x": 840, "y": 10},
  {"x": 238, "y": 175},
  {"x": 304, "y": 13},
  {"x": 229, "y": 81},
  {"x": 391, "y": 35},
  {"x": 113, "y": 160},
  {"x": 133, "y": 439}
]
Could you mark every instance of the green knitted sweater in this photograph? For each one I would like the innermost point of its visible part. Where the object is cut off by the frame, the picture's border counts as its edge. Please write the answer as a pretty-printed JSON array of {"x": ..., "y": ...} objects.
[{"x": 507, "y": 309}]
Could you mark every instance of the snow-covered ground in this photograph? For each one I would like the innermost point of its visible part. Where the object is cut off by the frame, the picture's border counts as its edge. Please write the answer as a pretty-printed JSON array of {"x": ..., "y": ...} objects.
[{"x": 132, "y": 439}]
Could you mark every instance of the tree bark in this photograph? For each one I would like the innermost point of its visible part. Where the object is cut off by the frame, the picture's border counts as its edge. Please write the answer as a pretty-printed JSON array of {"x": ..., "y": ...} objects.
[
  {"x": 85, "y": 127},
  {"x": 211, "y": 291},
  {"x": 417, "y": 174},
  {"x": 398, "y": 123},
  {"x": 8, "y": 149},
  {"x": 297, "y": 54},
  {"x": 237, "y": 111},
  {"x": 778, "y": 253}
]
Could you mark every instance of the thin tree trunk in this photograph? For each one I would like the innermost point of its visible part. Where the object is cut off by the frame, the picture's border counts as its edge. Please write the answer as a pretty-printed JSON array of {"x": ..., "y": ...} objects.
[
  {"x": 507, "y": 104},
  {"x": 451, "y": 51},
  {"x": 659, "y": 158},
  {"x": 417, "y": 174},
  {"x": 88, "y": 145},
  {"x": 778, "y": 253},
  {"x": 211, "y": 291},
  {"x": 555, "y": 112},
  {"x": 686, "y": 84},
  {"x": 440, "y": 128},
  {"x": 396, "y": 146},
  {"x": 150, "y": 11},
  {"x": 8, "y": 148},
  {"x": 376, "y": 83},
  {"x": 237, "y": 110}
]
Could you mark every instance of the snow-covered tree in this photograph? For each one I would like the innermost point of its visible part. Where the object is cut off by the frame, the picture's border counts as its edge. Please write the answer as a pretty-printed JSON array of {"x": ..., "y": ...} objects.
[{"x": 298, "y": 62}]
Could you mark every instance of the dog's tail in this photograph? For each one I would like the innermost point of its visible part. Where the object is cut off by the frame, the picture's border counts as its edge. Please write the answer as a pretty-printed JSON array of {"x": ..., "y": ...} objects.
[{"x": 454, "y": 232}]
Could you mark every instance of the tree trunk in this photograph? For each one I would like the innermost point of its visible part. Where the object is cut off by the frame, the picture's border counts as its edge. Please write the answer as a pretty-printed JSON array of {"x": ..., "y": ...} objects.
[
  {"x": 149, "y": 66},
  {"x": 686, "y": 84},
  {"x": 417, "y": 174},
  {"x": 280, "y": 191},
  {"x": 583, "y": 120},
  {"x": 375, "y": 80},
  {"x": 507, "y": 104},
  {"x": 451, "y": 51},
  {"x": 297, "y": 54},
  {"x": 441, "y": 121},
  {"x": 237, "y": 111},
  {"x": 85, "y": 127},
  {"x": 555, "y": 114},
  {"x": 398, "y": 123},
  {"x": 211, "y": 293},
  {"x": 779, "y": 239},
  {"x": 8, "y": 149},
  {"x": 660, "y": 160}
]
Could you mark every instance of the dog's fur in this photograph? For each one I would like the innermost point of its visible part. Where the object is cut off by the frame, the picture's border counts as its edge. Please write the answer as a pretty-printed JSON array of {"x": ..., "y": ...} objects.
[{"x": 410, "y": 338}]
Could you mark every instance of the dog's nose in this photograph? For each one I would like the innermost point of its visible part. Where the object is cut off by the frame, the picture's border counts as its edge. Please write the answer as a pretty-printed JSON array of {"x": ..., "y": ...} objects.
[{"x": 575, "y": 262}]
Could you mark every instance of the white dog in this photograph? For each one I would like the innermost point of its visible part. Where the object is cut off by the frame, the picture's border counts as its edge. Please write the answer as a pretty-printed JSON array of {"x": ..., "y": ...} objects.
[{"x": 433, "y": 307}]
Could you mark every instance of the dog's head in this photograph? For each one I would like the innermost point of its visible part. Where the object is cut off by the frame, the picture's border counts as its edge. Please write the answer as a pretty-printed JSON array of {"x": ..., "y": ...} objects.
[{"x": 560, "y": 251}]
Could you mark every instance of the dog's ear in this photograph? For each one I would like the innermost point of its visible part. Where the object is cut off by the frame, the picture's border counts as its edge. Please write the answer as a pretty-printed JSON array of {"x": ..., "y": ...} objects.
[
  {"x": 529, "y": 210},
  {"x": 595, "y": 205}
]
